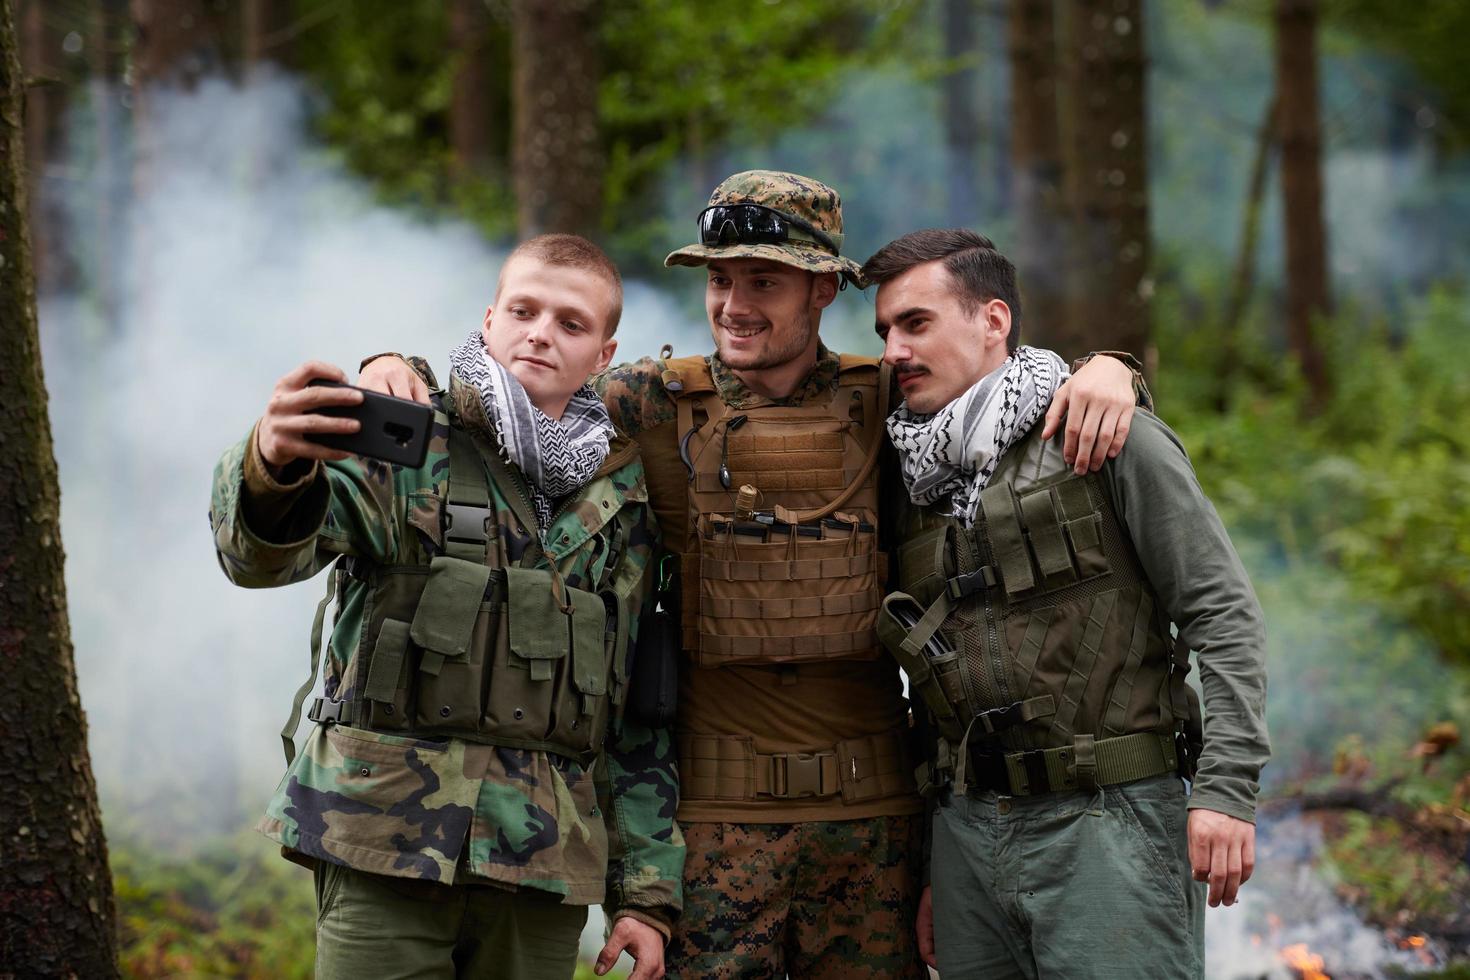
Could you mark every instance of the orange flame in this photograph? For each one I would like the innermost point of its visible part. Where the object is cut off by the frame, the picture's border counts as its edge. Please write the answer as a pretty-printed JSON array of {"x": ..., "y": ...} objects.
[
  {"x": 1416, "y": 941},
  {"x": 1307, "y": 963}
]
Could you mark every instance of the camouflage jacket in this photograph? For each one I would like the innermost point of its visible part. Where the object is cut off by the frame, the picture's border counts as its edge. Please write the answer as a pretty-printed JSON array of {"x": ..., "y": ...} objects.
[{"x": 529, "y": 819}]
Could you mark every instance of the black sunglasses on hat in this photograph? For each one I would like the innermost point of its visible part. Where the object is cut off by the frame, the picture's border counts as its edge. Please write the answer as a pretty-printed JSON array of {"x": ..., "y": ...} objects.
[{"x": 756, "y": 224}]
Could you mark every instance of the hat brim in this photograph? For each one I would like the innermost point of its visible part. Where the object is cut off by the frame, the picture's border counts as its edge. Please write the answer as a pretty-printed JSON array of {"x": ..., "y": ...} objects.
[{"x": 810, "y": 259}]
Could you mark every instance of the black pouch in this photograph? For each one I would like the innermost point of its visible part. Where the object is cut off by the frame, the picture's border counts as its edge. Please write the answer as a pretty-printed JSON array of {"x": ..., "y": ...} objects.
[{"x": 653, "y": 684}]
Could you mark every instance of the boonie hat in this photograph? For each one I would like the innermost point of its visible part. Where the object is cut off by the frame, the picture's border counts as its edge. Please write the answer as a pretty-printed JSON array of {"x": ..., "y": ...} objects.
[{"x": 767, "y": 214}]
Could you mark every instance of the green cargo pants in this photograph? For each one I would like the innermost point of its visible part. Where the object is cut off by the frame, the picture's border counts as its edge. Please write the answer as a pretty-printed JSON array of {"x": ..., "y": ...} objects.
[
  {"x": 1067, "y": 885},
  {"x": 396, "y": 929}
]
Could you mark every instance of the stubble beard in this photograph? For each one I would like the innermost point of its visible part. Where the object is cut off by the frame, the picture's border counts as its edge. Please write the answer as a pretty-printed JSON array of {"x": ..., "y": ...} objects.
[{"x": 769, "y": 356}]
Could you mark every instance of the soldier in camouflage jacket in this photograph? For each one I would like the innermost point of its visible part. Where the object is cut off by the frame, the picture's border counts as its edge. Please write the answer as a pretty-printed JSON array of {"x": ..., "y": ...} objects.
[{"x": 532, "y": 833}]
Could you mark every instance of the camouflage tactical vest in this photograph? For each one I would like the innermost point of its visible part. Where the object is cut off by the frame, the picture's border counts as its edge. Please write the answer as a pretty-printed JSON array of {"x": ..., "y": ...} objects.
[
  {"x": 1034, "y": 637},
  {"x": 473, "y": 647},
  {"x": 792, "y": 573}
]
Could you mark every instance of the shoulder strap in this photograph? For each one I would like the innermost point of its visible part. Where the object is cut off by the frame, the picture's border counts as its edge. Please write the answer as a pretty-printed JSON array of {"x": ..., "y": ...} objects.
[
  {"x": 288, "y": 733},
  {"x": 877, "y": 429}
]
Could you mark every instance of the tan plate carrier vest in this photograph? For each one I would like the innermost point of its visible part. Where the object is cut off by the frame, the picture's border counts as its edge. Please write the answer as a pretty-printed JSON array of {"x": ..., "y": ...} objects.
[
  {"x": 1035, "y": 639},
  {"x": 471, "y": 647},
  {"x": 794, "y": 576}
]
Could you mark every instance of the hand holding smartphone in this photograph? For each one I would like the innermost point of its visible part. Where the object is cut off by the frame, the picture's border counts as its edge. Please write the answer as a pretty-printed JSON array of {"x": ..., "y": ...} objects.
[{"x": 394, "y": 430}]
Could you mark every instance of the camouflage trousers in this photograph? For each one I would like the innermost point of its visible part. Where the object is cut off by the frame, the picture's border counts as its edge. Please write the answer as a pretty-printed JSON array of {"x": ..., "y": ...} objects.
[
  {"x": 375, "y": 926},
  {"x": 822, "y": 899}
]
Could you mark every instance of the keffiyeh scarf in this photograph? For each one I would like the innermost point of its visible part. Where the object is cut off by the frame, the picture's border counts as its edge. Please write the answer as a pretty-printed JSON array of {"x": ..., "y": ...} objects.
[
  {"x": 557, "y": 456},
  {"x": 948, "y": 457}
]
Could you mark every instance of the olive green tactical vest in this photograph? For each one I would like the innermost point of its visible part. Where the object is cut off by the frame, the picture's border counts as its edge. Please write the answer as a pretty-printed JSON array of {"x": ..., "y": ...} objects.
[
  {"x": 797, "y": 577},
  {"x": 472, "y": 647},
  {"x": 1034, "y": 636}
]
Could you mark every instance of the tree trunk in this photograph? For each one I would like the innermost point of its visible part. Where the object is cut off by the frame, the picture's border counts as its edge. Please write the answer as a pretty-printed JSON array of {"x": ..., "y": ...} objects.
[
  {"x": 470, "y": 143},
  {"x": 56, "y": 906},
  {"x": 42, "y": 62},
  {"x": 265, "y": 33},
  {"x": 107, "y": 50},
  {"x": 1106, "y": 76},
  {"x": 1244, "y": 280},
  {"x": 1308, "y": 294},
  {"x": 1042, "y": 232},
  {"x": 558, "y": 150},
  {"x": 176, "y": 43},
  {"x": 959, "y": 95}
]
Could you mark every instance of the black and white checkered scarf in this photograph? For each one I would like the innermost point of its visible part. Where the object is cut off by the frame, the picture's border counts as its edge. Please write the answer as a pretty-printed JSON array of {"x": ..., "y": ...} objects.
[
  {"x": 948, "y": 457},
  {"x": 558, "y": 456}
]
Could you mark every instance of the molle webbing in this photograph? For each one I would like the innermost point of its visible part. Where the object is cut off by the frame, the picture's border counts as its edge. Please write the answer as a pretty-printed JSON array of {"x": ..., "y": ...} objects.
[
  {"x": 716, "y": 767},
  {"x": 799, "y": 578}
]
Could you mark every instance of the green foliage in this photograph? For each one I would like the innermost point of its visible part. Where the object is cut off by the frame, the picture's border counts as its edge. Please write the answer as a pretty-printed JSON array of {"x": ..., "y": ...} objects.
[
  {"x": 1391, "y": 879},
  {"x": 1375, "y": 484},
  {"x": 235, "y": 909}
]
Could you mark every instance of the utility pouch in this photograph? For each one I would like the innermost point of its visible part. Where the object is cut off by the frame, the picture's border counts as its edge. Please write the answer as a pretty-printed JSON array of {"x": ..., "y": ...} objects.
[
  {"x": 444, "y": 625},
  {"x": 653, "y": 687},
  {"x": 579, "y": 715},
  {"x": 934, "y": 672}
]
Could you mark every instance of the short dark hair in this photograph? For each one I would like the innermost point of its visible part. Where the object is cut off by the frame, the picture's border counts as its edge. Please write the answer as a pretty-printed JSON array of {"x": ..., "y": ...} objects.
[
  {"x": 976, "y": 267},
  {"x": 574, "y": 252}
]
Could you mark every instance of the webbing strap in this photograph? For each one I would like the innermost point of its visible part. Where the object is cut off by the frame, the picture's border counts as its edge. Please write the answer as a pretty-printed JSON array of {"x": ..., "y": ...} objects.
[
  {"x": 928, "y": 625},
  {"x": 1007, "y": 544},
  {"x": 801, "y": 607},
  {"x": 811, "y": 645},
  {"x": 1102, "y": 608},
  {"x": 1036, "y": 629},
  {"x": 1115, "y": 760},
  {"x": 801, "y": 569},
  {"x": 467, "y": 514},
  {"x": 1045, "y": 532},
  {"x": 288, "y": 732},
  {"x": 513, "y": 488},
  {"x": 715, "y": 767},
  {"x": 1123, "y": 687}
]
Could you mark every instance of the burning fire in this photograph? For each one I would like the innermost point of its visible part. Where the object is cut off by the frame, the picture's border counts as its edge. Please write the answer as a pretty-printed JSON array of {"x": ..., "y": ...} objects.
[{"x": 1306, "y": 963}]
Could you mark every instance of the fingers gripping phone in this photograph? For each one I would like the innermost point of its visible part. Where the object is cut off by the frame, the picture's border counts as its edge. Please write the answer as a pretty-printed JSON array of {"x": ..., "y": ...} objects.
[{"x": 394, "y": 430}]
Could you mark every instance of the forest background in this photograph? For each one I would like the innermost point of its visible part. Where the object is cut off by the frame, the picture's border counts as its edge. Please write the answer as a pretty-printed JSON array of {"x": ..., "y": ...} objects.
[{"x": 1263, "y": 198}]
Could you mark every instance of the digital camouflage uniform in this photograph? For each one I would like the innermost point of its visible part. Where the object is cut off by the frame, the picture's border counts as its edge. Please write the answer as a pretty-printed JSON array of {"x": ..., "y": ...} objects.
[{"x": 414, "y": 811}]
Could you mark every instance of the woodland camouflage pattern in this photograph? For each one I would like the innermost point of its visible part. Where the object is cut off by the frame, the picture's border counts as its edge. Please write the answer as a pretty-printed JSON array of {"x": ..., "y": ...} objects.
[
  {"x": 822, "y": 899},
  {"x": 405, "y": 807},
  {"x": 800, "y": 197}
]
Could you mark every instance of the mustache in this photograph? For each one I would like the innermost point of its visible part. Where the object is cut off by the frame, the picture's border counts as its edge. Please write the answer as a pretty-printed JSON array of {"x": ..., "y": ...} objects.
[{"x": 908, "y": 367}]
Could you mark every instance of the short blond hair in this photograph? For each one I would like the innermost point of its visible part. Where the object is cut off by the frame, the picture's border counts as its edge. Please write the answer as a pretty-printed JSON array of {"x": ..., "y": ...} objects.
[{"x": 573, "y": 252}]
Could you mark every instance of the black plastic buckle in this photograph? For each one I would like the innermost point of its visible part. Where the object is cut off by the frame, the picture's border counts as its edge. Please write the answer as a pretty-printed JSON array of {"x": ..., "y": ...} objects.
[
  {"x": 964, "y": 586},
  {"x": 466, "y": 522},
  {"x": 328, "y": 712}
]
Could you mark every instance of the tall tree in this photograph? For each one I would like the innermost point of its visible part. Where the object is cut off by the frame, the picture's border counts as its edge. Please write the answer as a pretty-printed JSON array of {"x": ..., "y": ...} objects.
[
  {"x": 265, "y": 32},
  {"x": 471, "y": 143},
  {"x": 959, "y": 91},
  {"x": 41, "y": 56},
  {"x": 1299, "y": 124},
  {"x": 56, "y": 907},
  {"x": 177, "y": 42},
  {"x": 558, "y": 160},
  {"x": 1042, "y": 219},
  {"x": 1108, "y": 174}
]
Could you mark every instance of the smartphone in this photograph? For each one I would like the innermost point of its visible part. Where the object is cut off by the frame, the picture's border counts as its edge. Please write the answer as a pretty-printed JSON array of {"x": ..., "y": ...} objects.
[{"x": 394, "y": 430}]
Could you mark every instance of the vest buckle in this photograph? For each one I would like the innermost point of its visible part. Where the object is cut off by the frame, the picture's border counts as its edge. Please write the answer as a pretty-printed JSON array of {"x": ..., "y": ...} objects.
[
  {"x": 466, "y": 523},
  {"x": 966, "y": 585}
]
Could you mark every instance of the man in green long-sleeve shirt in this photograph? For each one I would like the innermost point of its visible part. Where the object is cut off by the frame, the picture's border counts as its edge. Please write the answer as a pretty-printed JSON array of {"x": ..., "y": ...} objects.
[{"x": 1034, "y": 618}]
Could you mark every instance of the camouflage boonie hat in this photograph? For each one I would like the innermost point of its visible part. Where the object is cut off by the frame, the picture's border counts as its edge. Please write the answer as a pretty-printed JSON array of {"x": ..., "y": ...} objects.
[{"x": 794, "y": 195}]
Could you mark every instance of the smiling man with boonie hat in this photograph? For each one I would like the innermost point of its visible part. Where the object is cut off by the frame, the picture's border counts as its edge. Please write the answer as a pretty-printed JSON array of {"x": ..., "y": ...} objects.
[{"x": 767, "y": 214}]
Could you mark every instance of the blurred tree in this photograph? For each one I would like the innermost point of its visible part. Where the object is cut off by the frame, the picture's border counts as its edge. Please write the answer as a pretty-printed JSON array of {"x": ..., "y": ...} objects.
[
  {"x": 1106, "y": 125},
  {"x": 108, "y": 28},
  {"x": 1308, "y": 296},
  {"x": 45, "y": 102},
  {"x": 557, "y": 157},
  {"x": 1042, "y": 219},
  {"x": 55, "y": 888},
  {"x": 477, "y": 91},
  {"x": 960, "y": 109},
  {"x": 266, "y": 30},
  {"x": 178, "y": 41},
  {"x": 1243, "y": 281}
]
